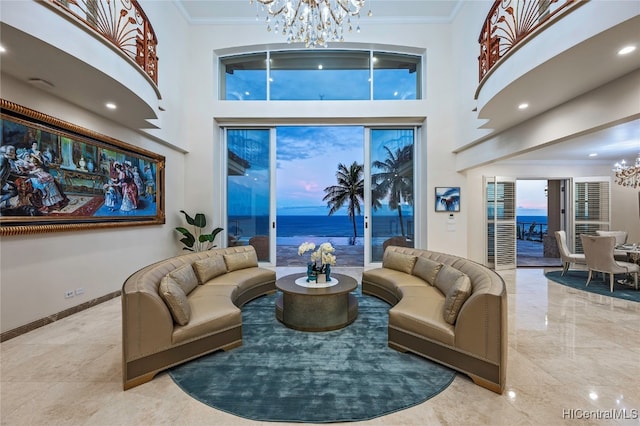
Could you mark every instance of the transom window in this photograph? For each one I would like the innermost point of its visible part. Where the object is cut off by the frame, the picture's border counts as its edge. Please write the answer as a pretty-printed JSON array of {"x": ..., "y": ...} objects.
[{"x": 321, "y": 75}]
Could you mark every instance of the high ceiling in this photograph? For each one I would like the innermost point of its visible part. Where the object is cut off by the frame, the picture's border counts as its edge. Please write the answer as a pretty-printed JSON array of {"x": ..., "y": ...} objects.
[
  {"x": 622, "y": 141},
  {"x": 236, "y": 11},
  {"x": 610, "y": 145}
]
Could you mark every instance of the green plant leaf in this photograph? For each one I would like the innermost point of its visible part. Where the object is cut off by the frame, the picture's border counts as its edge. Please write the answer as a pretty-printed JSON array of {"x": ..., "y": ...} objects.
[
  {"x": 188, "y": 218},
  {"x": 210, "y": 237},
  {"x": 188, "y": 240},
  {"x": 200, "y": 221}
]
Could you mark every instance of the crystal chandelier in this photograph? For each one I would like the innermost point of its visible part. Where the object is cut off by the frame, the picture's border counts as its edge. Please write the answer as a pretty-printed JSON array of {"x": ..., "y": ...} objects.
[
  {"x": 313, "y": 22},
  {"x": 627, "y": 175}
]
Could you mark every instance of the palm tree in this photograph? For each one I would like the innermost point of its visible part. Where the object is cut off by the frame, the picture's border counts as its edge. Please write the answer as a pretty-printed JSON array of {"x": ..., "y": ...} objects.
[
  {"x": 350, "y": 190},
  {"x": 395, "y": 180}
]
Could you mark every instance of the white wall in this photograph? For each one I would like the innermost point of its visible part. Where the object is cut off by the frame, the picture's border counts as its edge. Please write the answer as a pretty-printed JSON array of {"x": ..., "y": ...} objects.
[{"x": 36, "y": 270}]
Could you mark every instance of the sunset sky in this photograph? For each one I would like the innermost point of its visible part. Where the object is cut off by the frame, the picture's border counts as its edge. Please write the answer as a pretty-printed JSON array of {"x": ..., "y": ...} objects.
[{"x": 308, "y": 158}]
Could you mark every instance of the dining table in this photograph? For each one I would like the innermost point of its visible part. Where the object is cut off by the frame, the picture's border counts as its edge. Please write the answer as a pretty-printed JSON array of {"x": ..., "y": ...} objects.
[{"x": 632, "y": 251}]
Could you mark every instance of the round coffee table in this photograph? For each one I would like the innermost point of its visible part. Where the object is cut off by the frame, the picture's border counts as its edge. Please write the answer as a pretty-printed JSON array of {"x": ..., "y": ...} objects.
[{"x": 316, "y": 309}]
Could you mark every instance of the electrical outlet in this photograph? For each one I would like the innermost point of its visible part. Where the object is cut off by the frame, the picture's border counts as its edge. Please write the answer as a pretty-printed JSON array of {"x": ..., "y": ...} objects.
[
  {"x": 68, "y": 294},
  {"x": 79, "y": 291}
]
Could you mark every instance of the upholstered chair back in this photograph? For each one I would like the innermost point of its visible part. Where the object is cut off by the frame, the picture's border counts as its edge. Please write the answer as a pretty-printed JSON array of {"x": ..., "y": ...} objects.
[
  {"x": 598, "y": 251},
  {"x": 561, "y": 239},
  {"x": 620, "y": 236}
]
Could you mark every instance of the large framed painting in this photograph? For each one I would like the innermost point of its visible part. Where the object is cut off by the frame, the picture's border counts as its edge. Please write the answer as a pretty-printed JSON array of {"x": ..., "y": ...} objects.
[
  {"x": 57, "y": 176},
  {"x": 447, "y": 198}
]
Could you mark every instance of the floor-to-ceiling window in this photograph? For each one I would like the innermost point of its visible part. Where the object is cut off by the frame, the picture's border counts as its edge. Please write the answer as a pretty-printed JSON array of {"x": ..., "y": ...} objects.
[{"x": 343, "y": 75}]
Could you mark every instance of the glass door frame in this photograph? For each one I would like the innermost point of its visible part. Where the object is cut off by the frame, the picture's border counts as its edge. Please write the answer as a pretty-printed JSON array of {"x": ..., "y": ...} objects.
[
  {"x": 419, "y": 216},
  {"x": 272, "y": 182}
]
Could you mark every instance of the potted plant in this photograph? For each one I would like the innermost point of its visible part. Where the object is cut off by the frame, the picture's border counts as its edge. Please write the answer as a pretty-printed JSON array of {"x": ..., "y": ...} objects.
[{"x": 196, "y": 240}]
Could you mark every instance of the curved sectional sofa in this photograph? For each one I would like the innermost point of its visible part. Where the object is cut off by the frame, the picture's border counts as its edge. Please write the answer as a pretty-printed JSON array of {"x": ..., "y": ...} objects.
[
  {"x": 445, "y": 308},
  {"x": 184, "y": 307}
]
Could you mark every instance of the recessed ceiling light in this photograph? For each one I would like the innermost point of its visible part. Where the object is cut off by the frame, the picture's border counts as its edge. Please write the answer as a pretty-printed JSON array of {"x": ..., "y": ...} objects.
[
  {"x": 626, "y": 50},
  {"x": 523, "y": 106},
  {"x": 593, "y": 154},
  {"x": 2, "y": 49},
  {"x": 110, "y": 105},
  {"x": 320, "y": 66},
  {"x": 43, "y": 84}
]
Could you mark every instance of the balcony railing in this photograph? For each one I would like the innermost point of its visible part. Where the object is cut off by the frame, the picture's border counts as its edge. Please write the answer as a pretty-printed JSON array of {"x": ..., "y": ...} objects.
[
  {"x": 508, "y": 24},
  {"x": 121, "y": 22}
]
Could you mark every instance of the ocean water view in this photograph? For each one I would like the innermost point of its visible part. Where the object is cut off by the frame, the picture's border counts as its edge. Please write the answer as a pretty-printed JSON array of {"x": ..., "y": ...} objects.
[
  {"x": 532, "y": 219},
  {"x": 338, "y": 230},
  {"x": 296, "y": 229}
]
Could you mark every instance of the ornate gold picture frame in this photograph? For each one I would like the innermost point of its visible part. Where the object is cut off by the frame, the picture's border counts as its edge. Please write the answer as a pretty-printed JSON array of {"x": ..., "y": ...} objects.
[{"x": 57, "y": 176}]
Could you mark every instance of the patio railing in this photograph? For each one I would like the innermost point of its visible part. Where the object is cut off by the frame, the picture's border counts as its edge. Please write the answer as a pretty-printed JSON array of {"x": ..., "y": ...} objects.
[
  {"x": 508, "y": 24},
  {"x": 123, "y": 23},
  {"x": 531, "y": 231}
]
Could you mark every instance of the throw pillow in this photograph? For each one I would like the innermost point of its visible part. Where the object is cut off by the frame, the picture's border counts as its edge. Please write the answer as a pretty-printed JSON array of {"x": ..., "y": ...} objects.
[
  {"x": 426, "y": 269},
  {"x": 458, "y": 293},
  {"x": 398, "y": 261},
  {"x": 185, "y": 276},
  {"x": 456, "y": 287},
  {"x": 242, "y": 260},
  {"x": 175, "y": 299},
  {"x": 446, "y": 277},
  {"x": 209, "y": 268}
]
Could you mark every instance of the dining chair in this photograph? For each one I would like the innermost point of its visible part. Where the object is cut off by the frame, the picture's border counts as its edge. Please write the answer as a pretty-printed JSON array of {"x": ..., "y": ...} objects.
[
  {"x": 598, "y": 251},
  {"x": 565, "y": 254},
  {"x": 621, "y": 238}
]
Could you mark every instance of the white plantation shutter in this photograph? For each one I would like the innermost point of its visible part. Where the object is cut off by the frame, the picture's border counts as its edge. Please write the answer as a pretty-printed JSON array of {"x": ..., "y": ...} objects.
[
  {"x": 591, "y": 207},
  {"x": 500, "y": 207}
]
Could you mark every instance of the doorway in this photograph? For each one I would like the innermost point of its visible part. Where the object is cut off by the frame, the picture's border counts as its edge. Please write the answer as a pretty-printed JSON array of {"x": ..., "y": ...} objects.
[
  {"x": 319, "y": 182},
  {"x": 540, "y": 212}
]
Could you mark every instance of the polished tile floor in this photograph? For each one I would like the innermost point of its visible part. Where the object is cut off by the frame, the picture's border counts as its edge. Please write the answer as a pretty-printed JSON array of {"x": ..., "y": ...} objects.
[{"x": 574, "y": 358}]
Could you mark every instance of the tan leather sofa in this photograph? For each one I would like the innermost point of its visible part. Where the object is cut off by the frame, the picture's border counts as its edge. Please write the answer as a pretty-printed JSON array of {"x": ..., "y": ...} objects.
[
  {"x": 163, "y": 325},
  {"x": 445, "y": 308}
]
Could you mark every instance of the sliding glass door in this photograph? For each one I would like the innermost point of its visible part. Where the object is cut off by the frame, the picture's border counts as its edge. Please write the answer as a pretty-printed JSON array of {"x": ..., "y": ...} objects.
[
  {"x": 250, "y": 217},
  {"x": 390, "y": 190}
]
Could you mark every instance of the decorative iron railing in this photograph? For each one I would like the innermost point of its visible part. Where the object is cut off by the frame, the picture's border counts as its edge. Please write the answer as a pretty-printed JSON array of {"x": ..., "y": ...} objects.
[
  {"x": 508, "y": 24},
  {"x": 121, "y": 22}
]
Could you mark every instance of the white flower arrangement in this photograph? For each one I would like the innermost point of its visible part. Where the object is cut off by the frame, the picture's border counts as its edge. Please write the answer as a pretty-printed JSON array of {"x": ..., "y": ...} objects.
[{"x": 324, "y": 254}]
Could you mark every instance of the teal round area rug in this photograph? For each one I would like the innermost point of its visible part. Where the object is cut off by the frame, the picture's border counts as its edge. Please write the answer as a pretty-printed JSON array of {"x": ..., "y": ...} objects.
[{"x": 284, "y": 375}]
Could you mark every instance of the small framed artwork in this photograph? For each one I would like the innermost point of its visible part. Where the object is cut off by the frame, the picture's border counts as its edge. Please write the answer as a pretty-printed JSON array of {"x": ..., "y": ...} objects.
[
  {"x": 447, "y": 198},
  {"x": 57, "y": 176}
]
